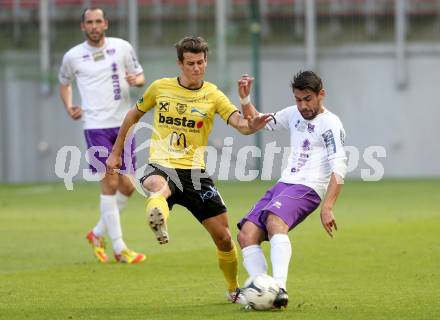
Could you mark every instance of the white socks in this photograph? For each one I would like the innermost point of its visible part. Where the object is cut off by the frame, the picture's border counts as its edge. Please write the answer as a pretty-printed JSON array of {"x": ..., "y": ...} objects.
[
  {"x": 121, "y": 200},
  {"x": 280, "y": 254},
  {"x": 110, "y": 218},
  {"x": 101, "y": 228},
  {"x": 253, "y": 260}
]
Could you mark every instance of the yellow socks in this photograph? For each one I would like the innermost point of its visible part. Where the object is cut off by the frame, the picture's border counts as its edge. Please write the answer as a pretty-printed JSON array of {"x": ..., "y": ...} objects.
[
  {"x": 158, "y": 201},
  {"x": 227, "y": 262}
]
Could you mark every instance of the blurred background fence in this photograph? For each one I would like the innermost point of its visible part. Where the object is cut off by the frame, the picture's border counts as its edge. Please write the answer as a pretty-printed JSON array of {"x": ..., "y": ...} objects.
[{"x": 379, "y": 59}]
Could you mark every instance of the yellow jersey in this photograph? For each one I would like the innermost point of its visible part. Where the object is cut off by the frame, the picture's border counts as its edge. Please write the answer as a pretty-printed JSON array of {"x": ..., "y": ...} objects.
[{"x": 183, "y": 120}]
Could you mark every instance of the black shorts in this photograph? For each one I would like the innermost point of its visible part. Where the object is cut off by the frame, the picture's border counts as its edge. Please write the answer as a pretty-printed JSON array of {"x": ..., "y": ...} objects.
[{"x": 193, "y": 189}]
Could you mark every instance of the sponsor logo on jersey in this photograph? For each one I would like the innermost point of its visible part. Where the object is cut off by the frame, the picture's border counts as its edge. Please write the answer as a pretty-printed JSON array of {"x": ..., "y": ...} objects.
[
  {"x": 180, "y": 122},
  {"x": 111, "y": 51},
  {"x": 310, "y": 127},
  {"x": 164, "y": 106},
  {"x": 329, "y": 142},
  {"x": 98, "y": 55},
  {"x": 178, "y": 139},
  {"x": 342, "y": 137},
  {"x": 86, "y": 57},
  {"x": 115, "y": 82},
  {"x": 306, "y": 145},
  {"x": 198, "y": 112},
  {"x": 301, "y": 126},
  {"x": 135, "y": 62},
  {"x": 181, "y": 108},
  {"x": 140, "y": 101}
]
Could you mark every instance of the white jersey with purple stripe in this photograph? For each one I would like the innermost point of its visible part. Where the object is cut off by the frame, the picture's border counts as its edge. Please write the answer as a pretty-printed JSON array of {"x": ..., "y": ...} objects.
[
  {"x": 316, "y": 148},
  {"x": 100, "y": 77}
]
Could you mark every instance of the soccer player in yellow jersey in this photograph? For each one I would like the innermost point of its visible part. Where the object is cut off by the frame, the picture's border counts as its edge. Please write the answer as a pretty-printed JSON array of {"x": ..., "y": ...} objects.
[{"x": 184, "y": 109}]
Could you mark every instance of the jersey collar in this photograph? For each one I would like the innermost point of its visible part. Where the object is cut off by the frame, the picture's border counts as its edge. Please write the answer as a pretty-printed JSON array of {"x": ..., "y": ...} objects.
[
  {"x": 94, "y": 49},
  {"x": 178, "y": 81}
]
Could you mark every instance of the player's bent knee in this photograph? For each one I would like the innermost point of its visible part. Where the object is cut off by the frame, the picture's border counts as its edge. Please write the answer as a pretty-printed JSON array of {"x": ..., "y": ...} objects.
[
  {"x": 240, "y": 239},
  {"x": 156, "y": 184},
  {"x": 126, "y": 189},
  {"x": 110, "y": 184},
  {"x": 224, "y": 242},
  {"x": 129, "y": 190},
  {"x": 244, "y": 239}
]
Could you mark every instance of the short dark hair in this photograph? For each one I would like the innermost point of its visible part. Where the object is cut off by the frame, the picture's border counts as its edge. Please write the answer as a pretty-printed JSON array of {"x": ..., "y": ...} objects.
[
  {"x": 83, "y": 15},
  {"x": 191, "y": 44},
  {"x": 307, "y": 80}
]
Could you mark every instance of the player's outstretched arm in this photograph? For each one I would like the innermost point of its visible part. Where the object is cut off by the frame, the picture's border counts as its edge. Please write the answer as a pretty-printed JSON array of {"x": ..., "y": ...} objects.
[
  {"x": 327, "y": 218},
  {"x": 114, "y": 160},
  {"x": 251, "y": 124}
]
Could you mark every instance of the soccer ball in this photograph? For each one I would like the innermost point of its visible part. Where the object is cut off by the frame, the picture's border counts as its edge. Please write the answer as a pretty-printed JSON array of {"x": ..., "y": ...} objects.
[{"x": 260, "y": 291}]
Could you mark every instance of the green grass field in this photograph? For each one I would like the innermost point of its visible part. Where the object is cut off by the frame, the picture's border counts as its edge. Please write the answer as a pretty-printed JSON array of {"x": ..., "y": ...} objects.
[{"x": 384, "y": 262}]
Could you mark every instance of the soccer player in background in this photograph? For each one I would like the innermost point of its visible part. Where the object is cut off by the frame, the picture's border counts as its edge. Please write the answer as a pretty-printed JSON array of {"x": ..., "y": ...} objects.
[
  {"x": 184, "y": 109},
  {"x": 315, "y": 172},
  {"x": 104, "y": 68}
]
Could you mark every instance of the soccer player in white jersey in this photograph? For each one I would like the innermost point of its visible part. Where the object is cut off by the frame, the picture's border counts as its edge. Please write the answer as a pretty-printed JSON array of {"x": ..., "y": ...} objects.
[
  {"x": 315, "y": 173},
  {"x": 104, "y": 69}
]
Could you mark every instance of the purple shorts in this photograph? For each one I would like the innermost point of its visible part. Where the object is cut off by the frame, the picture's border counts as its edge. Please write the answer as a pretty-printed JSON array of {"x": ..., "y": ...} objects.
[
  {"x": 291, "y": 202},
  {"x": 99, "y": 146}
]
